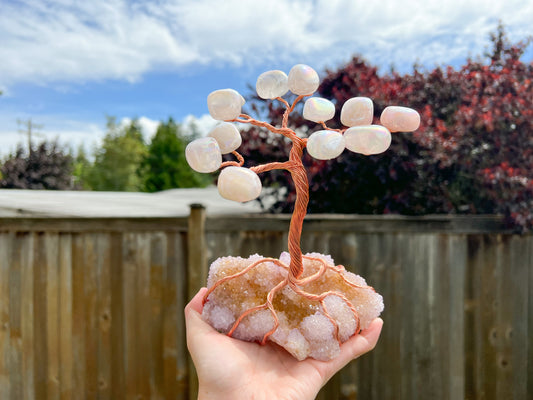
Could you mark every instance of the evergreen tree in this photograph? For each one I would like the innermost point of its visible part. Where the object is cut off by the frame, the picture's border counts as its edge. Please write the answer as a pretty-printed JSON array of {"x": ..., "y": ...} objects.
[
  {"x": 81, "y": 168},
  {"x": 164, "y": 166},
  {"x": 116, "y": 163}
]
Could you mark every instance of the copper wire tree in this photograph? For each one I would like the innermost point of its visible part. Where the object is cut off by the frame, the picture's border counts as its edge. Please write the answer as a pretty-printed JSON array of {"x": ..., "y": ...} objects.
[{"x": 242, "y": 184}]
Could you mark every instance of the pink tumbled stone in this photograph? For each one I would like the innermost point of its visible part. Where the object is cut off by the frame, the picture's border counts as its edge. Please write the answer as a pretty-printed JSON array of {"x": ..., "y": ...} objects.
[
  {"x": 239, "y": 184},
  {"x": 367, "y": 140},
  {"x": 317, "y": 109},
  {"x": 357, "y": 111},
  {"x": 225, "y": 104},
  {"x": 400, "y": 119},
  {"x": 227, "y": 137},
  {"x": 203, "y": 155}
]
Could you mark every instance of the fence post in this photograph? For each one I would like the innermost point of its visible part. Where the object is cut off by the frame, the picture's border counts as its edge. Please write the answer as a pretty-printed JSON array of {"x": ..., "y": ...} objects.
[
  {"x": 197, "y": 250},
  {"x": 196, "y": 271}
]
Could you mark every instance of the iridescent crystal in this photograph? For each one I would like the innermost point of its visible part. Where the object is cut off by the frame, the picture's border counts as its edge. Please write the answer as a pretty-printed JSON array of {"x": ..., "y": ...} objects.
[
  {"x": 227, "y": 136},
  {"x": 367, "y": 140},
  {"x": 225, "y": 104},
  {"x": 357, "y": 111},
  {"x": 325, "y": 144},
  {"x": 272, "y": 84},
  {"x": 400, "y": 119},
  {"x": 317, "y": 109},
  {"x": 203, "y": 155},
  {"x": 304, "y": 329},
  {"x": 239, "y": 184},
  {"x": 303, "y": 80}
]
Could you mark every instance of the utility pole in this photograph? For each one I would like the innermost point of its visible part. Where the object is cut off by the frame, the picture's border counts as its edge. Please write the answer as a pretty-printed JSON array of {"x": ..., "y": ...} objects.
[{"x": 28, "y": 130}]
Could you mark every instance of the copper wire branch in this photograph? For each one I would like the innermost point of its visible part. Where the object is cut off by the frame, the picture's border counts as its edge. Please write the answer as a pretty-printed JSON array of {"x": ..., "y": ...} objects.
[
  {"x": 238, "y": 163},
  {"x": 296, "y": 168}
]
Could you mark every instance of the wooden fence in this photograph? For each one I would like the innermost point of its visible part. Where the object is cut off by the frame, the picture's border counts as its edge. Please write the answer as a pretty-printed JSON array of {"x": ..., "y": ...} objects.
[{"x": 92, "y": 308}]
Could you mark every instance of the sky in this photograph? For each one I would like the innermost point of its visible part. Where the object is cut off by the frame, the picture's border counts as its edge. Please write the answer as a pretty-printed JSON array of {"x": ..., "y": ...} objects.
[{"x": 68, "y": 65}]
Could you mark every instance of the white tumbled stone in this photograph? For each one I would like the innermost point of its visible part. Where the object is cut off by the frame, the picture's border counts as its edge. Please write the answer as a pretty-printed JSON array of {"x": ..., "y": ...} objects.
[
  {"x": 317, "y": 109},
  {"x": 303, "y": 80},
  {"x": 227, "y": 136},
  {"x": 400, "y": 119},
  {"x": 367, "y": 140},
  {"x": 357, "y": 111},
  {"x": 272, "y": 84},
  {"x": 225, "y": 104},
  {"x": 239, "y": 184},
  {"x": 325, "y": 144},
  {"x": 203, "y": 155}
]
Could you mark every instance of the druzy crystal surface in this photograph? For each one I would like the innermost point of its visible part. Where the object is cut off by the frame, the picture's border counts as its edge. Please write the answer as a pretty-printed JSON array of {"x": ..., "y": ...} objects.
[{"x": 304, "y": 330}]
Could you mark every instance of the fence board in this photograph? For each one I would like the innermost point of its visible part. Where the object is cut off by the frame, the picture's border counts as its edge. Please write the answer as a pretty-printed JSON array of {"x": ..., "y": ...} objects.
[
  {"x": 5, "y": 342},
  {"x": 132, "y": 357},
  {"x": 78, "y": 315},
  {"x": 66, "y": 345},
  {"x": 103, "y": 316},
  {"x": 175, "y": 359},
  {"x": 118, "y": 353},
  {"x": 39, "y": 321},
  {"x": 51, "y": 245},
  {"x": 517, "y": 331},
  {"x": 453, "y": 332},
  {"x": 89, "y": 295},
  {"x": 158, "y": 264},
  {"x": 27, "y": 316},
  {"x": 528, "y": 261}
]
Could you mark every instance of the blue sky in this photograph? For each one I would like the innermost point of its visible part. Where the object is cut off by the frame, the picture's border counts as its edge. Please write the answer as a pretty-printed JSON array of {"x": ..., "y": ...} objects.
[{"x": 67, "y": 65}]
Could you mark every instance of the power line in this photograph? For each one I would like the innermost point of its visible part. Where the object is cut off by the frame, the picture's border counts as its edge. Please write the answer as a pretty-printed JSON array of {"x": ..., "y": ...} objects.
[{"x": 29, "y": 130}]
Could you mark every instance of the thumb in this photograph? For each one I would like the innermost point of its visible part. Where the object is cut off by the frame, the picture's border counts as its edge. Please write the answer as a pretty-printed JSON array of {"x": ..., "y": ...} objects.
[{"x": 195, "y": 326}]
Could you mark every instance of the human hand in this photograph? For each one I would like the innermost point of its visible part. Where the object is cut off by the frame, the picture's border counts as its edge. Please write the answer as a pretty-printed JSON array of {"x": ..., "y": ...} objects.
[{"x": 233, "y": 369}]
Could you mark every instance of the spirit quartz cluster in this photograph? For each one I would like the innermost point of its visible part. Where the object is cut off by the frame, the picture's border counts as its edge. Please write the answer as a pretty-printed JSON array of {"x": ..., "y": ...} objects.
[{"x": 304, "y": 303}]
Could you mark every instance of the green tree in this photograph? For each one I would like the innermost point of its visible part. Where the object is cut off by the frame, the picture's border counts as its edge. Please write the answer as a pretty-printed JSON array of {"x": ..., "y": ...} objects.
[
  {"x": 117, "y": 162},
  {"x": 81, "y": 168},
  {"x": 164, "y": 166}
]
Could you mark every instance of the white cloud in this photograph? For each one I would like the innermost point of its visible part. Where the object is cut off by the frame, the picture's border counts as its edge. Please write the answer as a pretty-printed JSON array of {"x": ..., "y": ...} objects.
[
  {"x": 76, "y": 133},
  {"x": 148, "y": 126},
  {"x": 202, "y": 125},
  {"x": 62, "y": 41},
  {"x": 69, "y": 133}
]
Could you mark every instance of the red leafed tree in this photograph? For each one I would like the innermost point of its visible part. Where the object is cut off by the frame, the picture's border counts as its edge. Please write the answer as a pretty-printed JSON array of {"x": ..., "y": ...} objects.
[{"x": 472, "y": 154}]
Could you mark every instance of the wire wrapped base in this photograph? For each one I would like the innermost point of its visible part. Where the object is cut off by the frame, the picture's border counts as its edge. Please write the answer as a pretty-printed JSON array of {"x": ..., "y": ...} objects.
[{"x": 255, "y": 299}]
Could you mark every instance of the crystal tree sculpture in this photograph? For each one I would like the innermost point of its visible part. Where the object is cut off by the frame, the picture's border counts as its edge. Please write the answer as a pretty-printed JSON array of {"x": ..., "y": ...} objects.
[{"x": 304, "y": 303}]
